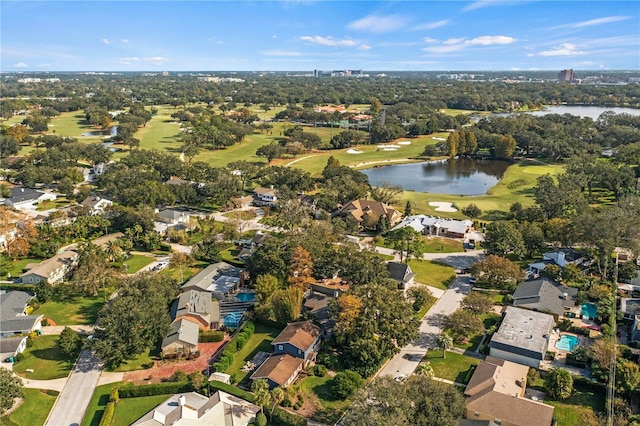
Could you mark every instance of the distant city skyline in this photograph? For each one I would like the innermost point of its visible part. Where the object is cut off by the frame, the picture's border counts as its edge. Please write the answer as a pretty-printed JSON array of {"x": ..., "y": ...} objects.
[{"x": 293, "y": 35}]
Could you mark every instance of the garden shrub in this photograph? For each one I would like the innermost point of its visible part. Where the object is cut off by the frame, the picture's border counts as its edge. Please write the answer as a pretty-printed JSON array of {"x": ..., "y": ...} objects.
[
  {"x": 346, "y": 383},
  {"x": 179, "y": 376},
  {"x": 281, "y": 417},
  {"x": 218, "y": 367},
  {"x": 114, "y": 396},
  {"x": 211, "y": 336},
  {"x": 261, "y": 420},
  {"x": 107, "y": 416},
  {"x": 249, "y": 328},
  {"x": 132, "y": 391},
  {"x": 231, "y": 347},
  {"x": 320, "y": 370},
  {"x": 241, "y": 341}
]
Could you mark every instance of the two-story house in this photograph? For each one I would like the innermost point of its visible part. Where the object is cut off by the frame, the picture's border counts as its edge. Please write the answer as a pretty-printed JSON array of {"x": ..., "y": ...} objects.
[{"x": 265, "y": 197}]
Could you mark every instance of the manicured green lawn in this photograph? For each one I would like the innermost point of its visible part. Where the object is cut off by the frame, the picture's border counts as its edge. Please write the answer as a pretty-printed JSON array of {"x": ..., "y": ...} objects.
[
  {"x": 57, "y": 203},
  {"x": 73, "y": 310},
  {"x": 442, "y": 245},
  {"x": 331, "y": 407},
  {"x": 33, "y": 411},
  {"x": 17, "y": 267},
  {"x": 569, "y": 412},
  {"x": 453, "y": 367},
  {"x": 259, "y": 341},
  {"x": 129, "y": 410},
  {"x": 162, "y": 132},
  {"x": 432, "y": 273},
  {"x": 45, "y": 359},
  {"x": 137, "y": 262},
  {"x": 230, "y": 255},
  {"x": 141, "y": 362},
  {"x": 98, "y": 402}
]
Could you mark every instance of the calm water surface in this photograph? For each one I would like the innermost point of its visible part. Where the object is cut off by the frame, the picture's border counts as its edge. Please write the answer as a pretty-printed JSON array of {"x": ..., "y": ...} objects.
[{"x": 462, "y": 176}]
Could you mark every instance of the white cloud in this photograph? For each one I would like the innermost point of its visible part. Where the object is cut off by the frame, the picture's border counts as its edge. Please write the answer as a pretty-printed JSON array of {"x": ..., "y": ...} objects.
[
  {"x": 378, "y": 24},
  {"x": 20, "y": 65},
  {"x": 364, "y": 47},
  {"x": 105, "y": 41},
  {"x": 480, "y": 4},
  {"x": 431, "y": 25},
  {"x": 281, "y": 53},
  {"x": 564, "y": 49},
  {"x": 125, "y": 41},
  {"x": 328, "y": 41},
  {"x": 429, "y": 40},
  {"x": 274, "y": 36},
  {"x": 491, "y": 40},
  {"x": 599, "y": 21},
  {"x": 457, "y": 44},
  {"x": 156, "y": 60},
  {"x": 128, "y": 61}
]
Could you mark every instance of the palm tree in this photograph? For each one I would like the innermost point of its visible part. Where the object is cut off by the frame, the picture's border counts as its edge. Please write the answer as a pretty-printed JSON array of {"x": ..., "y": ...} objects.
[
  {"x": 444, "y": 342},
  {"x": 114, "y": 251},
  {"x": 425, "y": 370}
]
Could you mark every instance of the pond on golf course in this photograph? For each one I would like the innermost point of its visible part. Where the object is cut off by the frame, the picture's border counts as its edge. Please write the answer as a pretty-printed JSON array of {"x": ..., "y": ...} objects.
[{"x": 459, "y": 176}]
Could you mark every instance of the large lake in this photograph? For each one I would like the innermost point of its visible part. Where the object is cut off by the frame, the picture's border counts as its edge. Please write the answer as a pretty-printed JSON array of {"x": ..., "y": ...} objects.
[
  {"x": 461, "y": 176},
  {"x": 577, "y": 110}
]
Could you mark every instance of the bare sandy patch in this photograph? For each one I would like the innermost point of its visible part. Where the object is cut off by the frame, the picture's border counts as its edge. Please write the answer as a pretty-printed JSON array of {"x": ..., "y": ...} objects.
[{"x": 442, "y": 206}]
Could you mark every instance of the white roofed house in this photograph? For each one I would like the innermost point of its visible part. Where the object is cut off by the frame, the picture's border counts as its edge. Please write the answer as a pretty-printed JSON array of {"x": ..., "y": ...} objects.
[
  {"x": 52, "y": 270},
  {"x": 265, "y": 197},
  {"x": 220, "y": 279},
  {"x": 437, "y": 226},
  {"x": 561, "y": 257},
  {"x": 97, "y": 205}
]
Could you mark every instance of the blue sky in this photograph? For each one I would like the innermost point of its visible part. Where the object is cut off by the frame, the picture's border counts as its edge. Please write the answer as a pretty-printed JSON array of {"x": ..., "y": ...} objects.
[{"x": 325, "y": 35}]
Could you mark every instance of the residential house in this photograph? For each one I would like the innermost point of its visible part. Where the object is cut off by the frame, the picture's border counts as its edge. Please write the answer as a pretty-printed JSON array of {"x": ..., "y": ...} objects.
[
  {"x": 221, "y": 279},
  {"x": 194, "y": 306},
  {"x": 401, "y": 273},
  {"x": 523, "y": 336},
  {"x": 300, "y": 339},
  {"x": 85, "y": 172},
  {"x": 265, "y": 197},
  {"x": 173, "y": 216},
  {"x": 182, "y": 339},
  {"x": 11, "y": 223},
  {"x": 14, "y": 318},
  {"x": 96, "y": 204},
  {"x": 368, "y": 212},
  {"x": 545, "y": 295},
  {"x": 497, "y": 393},
  {"x": 52, "y": 270},
  {"x": 629, "y": 307},
  {"x": 10, "y": 347},
  {"x": 193, "y": 409},
  {"x": 26, "y": 199},
  {"x": 561, "y": 257},
  {"x": 437, "y": 226},
  {"x": 279, "y": 370}
]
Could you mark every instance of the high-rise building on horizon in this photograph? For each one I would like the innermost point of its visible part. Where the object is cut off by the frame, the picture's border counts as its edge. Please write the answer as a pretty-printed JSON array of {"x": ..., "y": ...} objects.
[{"x": 566, "y": 75}]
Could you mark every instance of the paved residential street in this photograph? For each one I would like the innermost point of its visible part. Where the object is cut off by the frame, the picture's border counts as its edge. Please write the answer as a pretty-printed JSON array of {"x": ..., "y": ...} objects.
[
  {"x": 74, "y": 398},
  {"x": 405, "y": 362}
]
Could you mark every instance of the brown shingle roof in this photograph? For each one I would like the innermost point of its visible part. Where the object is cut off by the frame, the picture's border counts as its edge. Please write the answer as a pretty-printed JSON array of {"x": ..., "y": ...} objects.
[
  {"x": 496, "y": 389},
  {"x": 278, "y": 368},
  {"x": 46, "y": 267},
  {"x": 299, "y": 334},
  {"x": 359, "y": 208}
]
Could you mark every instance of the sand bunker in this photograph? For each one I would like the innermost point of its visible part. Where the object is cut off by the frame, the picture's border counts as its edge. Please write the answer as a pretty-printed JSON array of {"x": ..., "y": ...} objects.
[
  {"x": 440, "y": 139},
  {"x": 443, "y": 206},
  {"x": 354, "y": 151},
  {"x": 389, "y": 149},
  {"x": 388, "y": 146},
  {"x": 404, "y": 143}
]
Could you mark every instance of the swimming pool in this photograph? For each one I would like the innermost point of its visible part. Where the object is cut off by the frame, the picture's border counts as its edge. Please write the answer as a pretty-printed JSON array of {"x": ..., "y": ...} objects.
[
  {"x": 232, "y": 319},
  {"x": 588, "y": 310},
  {"x": 567, "y": 342},
  {"x": 246, "y": 297}
]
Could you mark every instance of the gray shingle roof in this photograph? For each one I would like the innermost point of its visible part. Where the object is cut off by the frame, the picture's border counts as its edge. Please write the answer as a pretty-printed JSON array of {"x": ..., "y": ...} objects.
[
  {"x": 545, "y": 295},
  {"x": 20, "y": 194},
  {"x": 400, "y": 272},
  {"x": 182, "y": 331}
]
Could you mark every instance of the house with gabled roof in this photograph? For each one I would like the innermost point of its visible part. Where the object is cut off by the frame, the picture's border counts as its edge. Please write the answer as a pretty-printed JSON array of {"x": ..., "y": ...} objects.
[
  {"x": 369, "y": 212},
  {"x": 182, "y": 339},
  {"x": 195, "y": 306},
  {"x": 401, "y": 273},
  {"x": 13, "y": 314},
  {"x": 220, "y": 279},
  {"x": 96, "y": 204},
  {"x": 27, "y": 198},
  {"x": 561, "y": 257},
  {"x": 497, "y": 392},
  {"x": 279, "y": 370},
  {"x": 52, "y": 270},
  {"x": 193, "y": 409},
  {"x": 300, "y": 339},
  {"x": 545, "y": 295}
]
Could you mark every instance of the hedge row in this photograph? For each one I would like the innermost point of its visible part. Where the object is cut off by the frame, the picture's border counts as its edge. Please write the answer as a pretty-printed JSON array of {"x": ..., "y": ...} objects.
[
  {"x": 282, "y": 417},
  {"x": 234, "y": 345},
  {"x": 211, "y": 336},
  {"x": 22, "y": 287},
  {"x": 215, "y": 385},
  {"x": 132, "y": 391},
  {"x": 107, "y": 416}
]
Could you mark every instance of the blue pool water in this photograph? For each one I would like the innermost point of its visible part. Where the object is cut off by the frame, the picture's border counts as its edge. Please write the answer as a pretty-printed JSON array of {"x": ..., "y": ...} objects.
[
  {"x": 246, "y": 297},
  {"x": 232, "y": 319},
  {"x": 589, "y": 310},
  {"x": 567, "y": 342}
]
